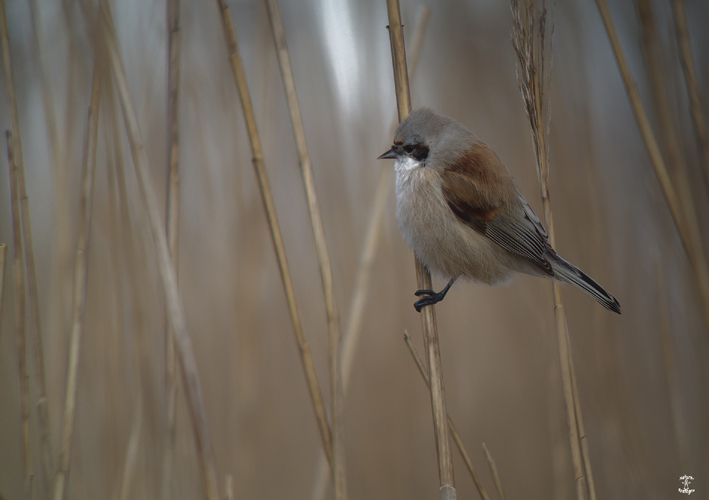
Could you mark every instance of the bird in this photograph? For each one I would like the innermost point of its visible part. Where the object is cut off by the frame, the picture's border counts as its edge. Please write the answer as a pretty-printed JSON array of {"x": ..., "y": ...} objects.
[{"x": 462, "y": 214}]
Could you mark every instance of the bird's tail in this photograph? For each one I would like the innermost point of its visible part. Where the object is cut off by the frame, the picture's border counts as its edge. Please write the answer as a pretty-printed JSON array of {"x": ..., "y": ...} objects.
[{"x": 566, "y": 271}]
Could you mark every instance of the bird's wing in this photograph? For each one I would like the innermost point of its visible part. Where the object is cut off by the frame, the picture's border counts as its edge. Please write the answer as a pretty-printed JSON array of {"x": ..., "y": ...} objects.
[{"x": 481, "y": 199}]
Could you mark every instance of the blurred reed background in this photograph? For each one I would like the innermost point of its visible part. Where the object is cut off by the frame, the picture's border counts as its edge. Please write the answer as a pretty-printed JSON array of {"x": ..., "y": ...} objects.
[{"x": 642, "y": 377}]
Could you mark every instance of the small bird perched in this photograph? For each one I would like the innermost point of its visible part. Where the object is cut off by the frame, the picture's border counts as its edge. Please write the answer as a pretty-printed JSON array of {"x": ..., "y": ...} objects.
[{"x": 462, "y": 214}]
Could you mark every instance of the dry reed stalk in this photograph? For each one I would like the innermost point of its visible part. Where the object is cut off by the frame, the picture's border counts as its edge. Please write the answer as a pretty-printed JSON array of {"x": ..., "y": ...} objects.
[
  {"x": 529, "y": 45},
  {"x": 267, "y": 199},
  {"x": 3, "y": 255},
  {"x": 172, "y": 227},
  {"x": 665, "y": 328},
  {"x": 453, "y": 431},
  {"x": 353, "y": 326},
  {"x": 321, "y": 249},
  {"x": 582, "y": 430},
  {"x": 690, "y": 79},
  {"x": 687, "y": 229},
  {"x": 228, "y": 488},
  {"x": 423, "y": 277},
  {"x": 493, "y": 472},
  {"x": 27, "y": 247},
  {"x": 45, "y": 82},
  {"x": 131, "y": 460},
  {"x": 658, "y": 88},
  {"x": 373, "y": 233},
  {"x": 20, "y": 334},
  {"x": 80, "y": 279},
  {"x": 190, "y": 375}
]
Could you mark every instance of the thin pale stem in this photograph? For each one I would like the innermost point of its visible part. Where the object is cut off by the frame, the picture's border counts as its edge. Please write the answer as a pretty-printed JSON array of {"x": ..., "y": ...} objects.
[
  {"x": 686, "y": 228},
  {"x": 423, "y": 277},
  {"x": 690, "y": 79},
  {"x": 131, "y": 461},
  {"x": 269, "y": 207},
  {"x": 453, "y": 431},
  {"x": 27, "y": 248},
  {"x": 582, "y": 432},
  {"x": 20, "y": 334},
  {"x": 37, "y": 333},
  {"x": 3, "y": 256},
  {"x": 358, "y": 302},
  {"x": 568, "y": 389},
  {"x": 528, "y": 41},
  {"x": 229, "y": 487},
  {"x": 371, "y": 241},
  {"x": 665, "y": 121},
  {"x": 79, "y": 287},
  {"x": 183, "y": 343},
  {"x": 172, "y": 228},
  {"x": 321, "y": 249},
  {"x": 493, "y": 472}
]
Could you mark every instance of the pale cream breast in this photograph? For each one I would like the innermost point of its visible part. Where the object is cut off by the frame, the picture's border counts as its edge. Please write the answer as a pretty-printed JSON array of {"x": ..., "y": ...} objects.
[{"x": 448, "y": 247}]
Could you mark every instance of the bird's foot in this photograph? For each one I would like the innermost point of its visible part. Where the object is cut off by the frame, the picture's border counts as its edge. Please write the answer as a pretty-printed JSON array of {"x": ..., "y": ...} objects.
[{"x": 430, "y": 298}]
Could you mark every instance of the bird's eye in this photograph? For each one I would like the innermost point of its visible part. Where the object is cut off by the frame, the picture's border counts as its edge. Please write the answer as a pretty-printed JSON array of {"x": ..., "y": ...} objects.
[{"x": 409, "y": 149}]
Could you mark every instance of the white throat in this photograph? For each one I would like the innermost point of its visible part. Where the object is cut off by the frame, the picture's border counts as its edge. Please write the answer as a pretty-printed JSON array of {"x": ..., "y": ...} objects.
[{"x": 406, "y": 164}]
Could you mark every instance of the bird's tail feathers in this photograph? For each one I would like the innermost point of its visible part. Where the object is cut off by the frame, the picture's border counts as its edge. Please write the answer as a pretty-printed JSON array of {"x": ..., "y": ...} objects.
[{"x": 566, "y": 271}]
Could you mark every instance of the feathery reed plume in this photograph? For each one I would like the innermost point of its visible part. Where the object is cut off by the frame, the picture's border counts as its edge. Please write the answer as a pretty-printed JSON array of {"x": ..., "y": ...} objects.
[
  {"x": 453, "y": 431},
  {"x": 19, "y": 309},
  {"x": 423, "y": 277},
  {"x": 321, "y": 249},
  {"x": 80, "y": 275},
  {"x": 172, "y": 224},
  {"x": 27, "y": 248},
  {"x": 183, "y": 343},
  {"x": 687, "y": 228},
  {"x": 269, "y": 207},
  {"x": 493, "y": 472},
  {"x": 690, "y": 79},
  {"x": 528, "y": 39}
]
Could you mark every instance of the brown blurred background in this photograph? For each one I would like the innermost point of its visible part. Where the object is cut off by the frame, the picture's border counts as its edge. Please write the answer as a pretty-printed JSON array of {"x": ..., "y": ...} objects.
[{"x": 643, "y": 377}]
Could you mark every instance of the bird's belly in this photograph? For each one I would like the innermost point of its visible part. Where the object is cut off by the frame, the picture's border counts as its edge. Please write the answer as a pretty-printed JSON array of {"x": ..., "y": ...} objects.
[{"x": 448, "y": 247}]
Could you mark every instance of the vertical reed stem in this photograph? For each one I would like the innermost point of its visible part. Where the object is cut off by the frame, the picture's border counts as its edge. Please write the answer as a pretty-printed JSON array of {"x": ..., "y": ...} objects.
[
  {"x": 686, "y": 228},
  {"x": 493, "y": 471},
  {"x": 321, "y": 249},
  {"x": 27, "y": 247},
  {"x": 658, "y": 88},
  {"x": 423, "y": 278},
  {"x": 20, "y": 334},
  {"x": 183, "y": 343},
  {"x": 172, "y": 228},
  {"x": 690, "y": 79},
  {"x": 79, "y": 295},
  {"x": 267, "y": 199},
  {"x": 3, "y": 255},
  {"x": 453, "y": 431},
  {"x": 360, "y": 290},
  {"x": 530, "y": 48}
]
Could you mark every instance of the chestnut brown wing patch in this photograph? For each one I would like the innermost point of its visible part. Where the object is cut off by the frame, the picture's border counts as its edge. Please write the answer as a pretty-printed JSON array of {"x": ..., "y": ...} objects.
[{"x": 480, "y": 197}]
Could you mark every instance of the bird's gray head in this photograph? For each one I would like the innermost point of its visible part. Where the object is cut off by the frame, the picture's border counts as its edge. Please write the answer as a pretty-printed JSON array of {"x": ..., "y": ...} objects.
[{"x": 429, "y": 139}]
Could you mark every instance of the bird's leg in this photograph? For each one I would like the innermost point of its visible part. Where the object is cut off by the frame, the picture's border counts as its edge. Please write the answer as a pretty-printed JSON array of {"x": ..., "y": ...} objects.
[{"x": 431, "y": 297}]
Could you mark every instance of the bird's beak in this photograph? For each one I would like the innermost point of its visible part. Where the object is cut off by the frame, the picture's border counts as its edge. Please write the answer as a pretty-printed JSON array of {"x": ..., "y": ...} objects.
[{"x": 391, "y": 154}]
